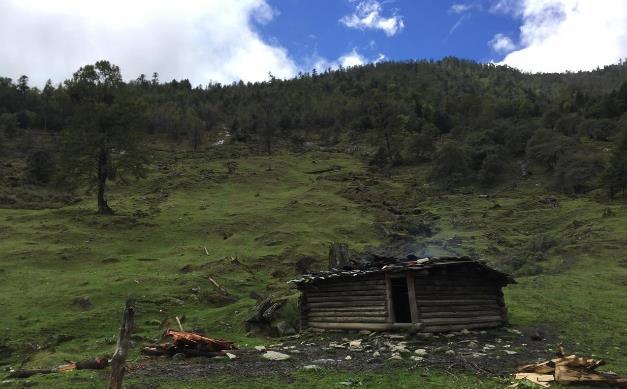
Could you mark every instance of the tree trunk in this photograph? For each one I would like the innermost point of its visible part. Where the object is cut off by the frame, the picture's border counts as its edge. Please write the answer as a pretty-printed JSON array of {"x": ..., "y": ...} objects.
[
  {"x": 121, "y": 352},
  {"x": 103, "y": 174}
]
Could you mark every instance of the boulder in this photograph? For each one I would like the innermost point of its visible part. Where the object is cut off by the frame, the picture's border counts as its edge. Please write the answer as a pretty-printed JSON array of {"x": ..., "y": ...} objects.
[{"x": 284, "y": 328}]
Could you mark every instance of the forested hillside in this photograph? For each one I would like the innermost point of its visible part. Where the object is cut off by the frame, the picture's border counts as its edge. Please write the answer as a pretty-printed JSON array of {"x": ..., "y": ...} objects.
[{"x": 474, "y": 123}]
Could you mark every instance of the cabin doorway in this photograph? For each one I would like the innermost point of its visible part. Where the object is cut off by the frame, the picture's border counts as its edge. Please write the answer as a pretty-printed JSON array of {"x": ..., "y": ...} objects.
[{"x": 400, "y": 300}]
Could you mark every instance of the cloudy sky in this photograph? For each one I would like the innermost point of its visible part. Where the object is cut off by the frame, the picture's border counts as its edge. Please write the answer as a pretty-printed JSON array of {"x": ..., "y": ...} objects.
[{"x": 229, "y": 40}]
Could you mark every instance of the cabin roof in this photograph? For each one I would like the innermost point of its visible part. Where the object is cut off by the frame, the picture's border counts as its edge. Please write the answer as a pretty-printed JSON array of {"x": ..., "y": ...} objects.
[{"x": 397, "y": 265}]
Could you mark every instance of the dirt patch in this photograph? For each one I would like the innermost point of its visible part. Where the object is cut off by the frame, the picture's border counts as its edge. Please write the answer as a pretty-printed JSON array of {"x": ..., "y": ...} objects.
[{"x": 491, "y": 353}]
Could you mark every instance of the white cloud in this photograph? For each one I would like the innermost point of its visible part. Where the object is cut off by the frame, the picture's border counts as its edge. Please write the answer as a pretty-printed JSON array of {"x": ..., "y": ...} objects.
[
  {"x": 367, "y": 15},
  {"x": 349, "y": 59},
  {"x": 502, "y": 44},
  {"x": 460, "y": 8},
  {"x": 200, "y": 40},
  {"x": 568, "y": 35}
]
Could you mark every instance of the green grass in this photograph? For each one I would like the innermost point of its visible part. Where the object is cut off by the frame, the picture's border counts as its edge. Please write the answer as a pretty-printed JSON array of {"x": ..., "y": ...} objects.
[{"x": 268, "y": 214}]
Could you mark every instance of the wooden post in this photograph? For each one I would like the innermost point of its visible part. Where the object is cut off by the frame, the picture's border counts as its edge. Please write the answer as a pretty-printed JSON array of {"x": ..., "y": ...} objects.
[
  {"x": 388, "y": 299},
  {"x": 121, "y": 350},
  {"x": 411, "y": 291}
]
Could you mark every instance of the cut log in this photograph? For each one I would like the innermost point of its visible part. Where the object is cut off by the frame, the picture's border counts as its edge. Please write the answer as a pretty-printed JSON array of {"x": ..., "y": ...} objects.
[
  {"x": 443, "y": 314},
  {"x": 121, "y": 351},
  {"x": 327, "y": 293},
  {"x": 314, "y": 299},
  {"x": 566, "y": 375},
  {"x": 344, "y": 309},
  {"x": 335, "y": 319},
  {"x": 29, "y": 373},
  {"x": 459, "y": 308},
  {"x": 345, "y": 304},
  {"x": 455, "y": 302},
  {"x": 352, "y": 326},
  {"x": 347, "y": 313},
  {"x": 460, "y": 320},
  {"x": 457, "y": 327}
]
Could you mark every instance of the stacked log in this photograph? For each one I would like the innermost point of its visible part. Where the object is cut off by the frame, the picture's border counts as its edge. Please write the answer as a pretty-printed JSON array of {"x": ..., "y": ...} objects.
[
  {"x": 346, "y": 303},
  {"x": 190, "y": 344},
  {"x": 455, "y": 302}
]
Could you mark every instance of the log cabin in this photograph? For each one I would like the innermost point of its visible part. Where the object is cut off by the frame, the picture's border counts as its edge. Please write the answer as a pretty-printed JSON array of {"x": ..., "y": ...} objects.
[{"x": 425, "y": 295}]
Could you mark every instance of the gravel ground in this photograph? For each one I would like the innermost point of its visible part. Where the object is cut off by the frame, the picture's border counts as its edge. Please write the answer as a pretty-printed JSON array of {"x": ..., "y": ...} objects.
[{"x": 494, "y": 353}]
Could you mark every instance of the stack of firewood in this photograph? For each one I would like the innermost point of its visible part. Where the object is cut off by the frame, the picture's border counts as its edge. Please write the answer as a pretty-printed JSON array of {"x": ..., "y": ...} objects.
[{"x": 189, "y": 344}]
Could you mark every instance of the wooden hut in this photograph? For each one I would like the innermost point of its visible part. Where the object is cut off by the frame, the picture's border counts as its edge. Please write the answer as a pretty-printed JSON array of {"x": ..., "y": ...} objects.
[{"x": 427, "y": 294}]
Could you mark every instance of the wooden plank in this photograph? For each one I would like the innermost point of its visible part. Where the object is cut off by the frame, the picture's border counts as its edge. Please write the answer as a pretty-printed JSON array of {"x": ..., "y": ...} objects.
[
  {"x": 347, "y": 313},
  {"x": 377, "y": 293},
  {"x": 345, "y": 299},
  {"x": 353, "y": 326},
  {"x": 457, "y": 327},
  {"x": 351, "y": 288},
  {"x": 460, "y": 320},
  {"x": 346, "y": 304},
  {"x": 411, "y": 291},
  {"x": 347, "y": 309},
  {"x": 455, "y": 302},
  {"x": 335, "y": 319},
  {"x": 446, "y": 296},
  {"x": 494, "y": 312},
  {"x": 458, "y": 308},
  {"x": 388, "y": 298},
  {"x": 347, "y": 282}
]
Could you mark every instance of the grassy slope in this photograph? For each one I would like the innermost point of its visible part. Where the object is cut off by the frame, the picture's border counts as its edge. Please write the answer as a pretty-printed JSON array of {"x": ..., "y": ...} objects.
[{"x": 271, "y": 212}]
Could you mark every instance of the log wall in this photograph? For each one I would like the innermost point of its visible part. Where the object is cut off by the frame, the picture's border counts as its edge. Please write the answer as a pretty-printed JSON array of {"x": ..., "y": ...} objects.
[
  {"x": 348, "y": 303},
  {"x": 456, "y": 301}
]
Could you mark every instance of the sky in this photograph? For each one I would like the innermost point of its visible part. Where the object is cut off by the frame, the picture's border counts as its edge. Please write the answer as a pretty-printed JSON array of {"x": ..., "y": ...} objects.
[{"x": 231, "y": 40}]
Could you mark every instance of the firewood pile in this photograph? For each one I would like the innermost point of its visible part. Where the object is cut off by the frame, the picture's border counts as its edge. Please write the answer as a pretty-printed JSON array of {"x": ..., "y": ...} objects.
[
  {"x": 189, "y": 344},
  {"x": 566, "y": 370}
]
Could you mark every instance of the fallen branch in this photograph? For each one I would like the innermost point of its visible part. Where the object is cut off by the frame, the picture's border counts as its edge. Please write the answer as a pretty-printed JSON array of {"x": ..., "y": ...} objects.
[
  {"x": 87, "y": 364},
  {"x": 190, "y": 344},
  {"x": 178, "y": 321}
]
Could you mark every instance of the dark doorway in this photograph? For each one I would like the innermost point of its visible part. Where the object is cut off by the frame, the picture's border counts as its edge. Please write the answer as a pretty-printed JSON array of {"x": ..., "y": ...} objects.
[{"x": 400, "y": 300}]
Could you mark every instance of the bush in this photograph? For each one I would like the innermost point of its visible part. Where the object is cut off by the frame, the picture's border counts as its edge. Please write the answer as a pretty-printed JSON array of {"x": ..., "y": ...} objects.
[
  {"x": 419, "y": 148},
  {"x": 578, "y": 172},
  {"x": 492, "y": 167},
  {"x": 8, "y": 124},
  {"x": 546, "y": 147},
  {"x": 40, "y": 167}
]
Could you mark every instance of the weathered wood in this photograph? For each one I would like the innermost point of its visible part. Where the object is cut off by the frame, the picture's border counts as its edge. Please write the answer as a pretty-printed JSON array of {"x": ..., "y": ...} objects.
[
  {"x": 457, "y": 327},
  {"x": 411, "y": 291},
  {"x": 460, "y": 320},
  {"x": 458, "y": 308},
  {"x": 121, "y": 351},
  {"x": 345, "y": 304},
  {"x": 360, "y": 319},
  {"x": 455, "y": 302},
  {"x": 352, "y": 326},
  {"x": 345, "y": 309},
  {"x": 388, "y": 298},
  {"x": 428, "y": 315},
  {"x": 348, "y": 314},
  {"x": 326, "y": 293},
  {"x": 315, "y": 299},
  {"x": 345, "y": 284}
]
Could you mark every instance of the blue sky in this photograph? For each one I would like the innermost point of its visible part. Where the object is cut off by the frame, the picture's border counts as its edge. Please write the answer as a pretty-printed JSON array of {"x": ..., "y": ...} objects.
[
  {"x": 431, "y": 30},
  {"x": 230, "y": 40}
]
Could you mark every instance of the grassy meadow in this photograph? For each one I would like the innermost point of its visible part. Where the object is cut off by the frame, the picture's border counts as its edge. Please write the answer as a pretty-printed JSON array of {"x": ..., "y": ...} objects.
[{"x": 65, "y": 272}]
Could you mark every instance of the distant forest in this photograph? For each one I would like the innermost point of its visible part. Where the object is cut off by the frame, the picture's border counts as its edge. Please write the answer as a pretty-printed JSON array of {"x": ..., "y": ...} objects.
[{"x": 471, "y": 123}]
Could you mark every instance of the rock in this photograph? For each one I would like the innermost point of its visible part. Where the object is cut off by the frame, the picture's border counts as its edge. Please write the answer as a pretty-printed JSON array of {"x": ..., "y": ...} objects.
[
  {"x": 275, "y": 356},
  {"x": 421, "y": 352},
  {"x": 260, "y": 348},
  {"x": 231, "y": 356},
  {"x": 510, "y": 352},
  {"x": 348, "y": 358},
  {"x": 324, "y": 361},
  {"x": 464, "y": 332},
  {"x": 355, "y": 344},
  {"x": 425, "y": 334},
  {"x": 284, "y": 328},
  {"x": 449, "y": 352},
  {"x": 376, "y": 354},
  {"x": 478, "y": 355},
  {"x": 364, "y": 332},
  {"x": 312, "y": 367},
  {"x": 178, "y": 357},
  {"x": 472, "y": 344},
  {"x": 416, "y": 358},
  {"x": 395, "y": 357},
  {"x": 514, "y": 331},
  {"x": 400, "y": 349}
]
